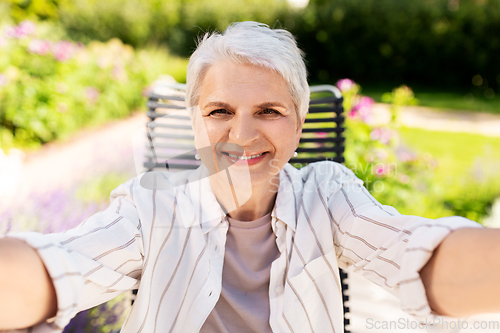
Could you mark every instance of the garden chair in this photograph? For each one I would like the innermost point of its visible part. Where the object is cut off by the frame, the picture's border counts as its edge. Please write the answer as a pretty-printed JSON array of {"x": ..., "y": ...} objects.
[{"x": 171, "y": 145}]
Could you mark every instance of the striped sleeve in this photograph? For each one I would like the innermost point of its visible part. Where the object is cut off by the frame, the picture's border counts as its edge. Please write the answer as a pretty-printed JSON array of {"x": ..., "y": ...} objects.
[
  {"x": 379, "y": 243},
  {"x": 93, "y": 262}
]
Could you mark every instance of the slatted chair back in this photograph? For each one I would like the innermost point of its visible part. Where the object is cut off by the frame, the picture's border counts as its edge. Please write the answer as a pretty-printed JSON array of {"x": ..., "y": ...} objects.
[{"x": 171, "y": 138}]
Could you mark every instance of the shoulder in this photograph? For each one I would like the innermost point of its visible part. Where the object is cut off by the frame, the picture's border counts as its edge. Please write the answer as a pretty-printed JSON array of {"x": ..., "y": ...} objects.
[
  {"x": 163, "y": 197},
  {"x": 146, "y": 183},
  {"x": 324, "y": 171},
  {"x": 143, "y": 192},
  {"x": 327, "y": 176}
]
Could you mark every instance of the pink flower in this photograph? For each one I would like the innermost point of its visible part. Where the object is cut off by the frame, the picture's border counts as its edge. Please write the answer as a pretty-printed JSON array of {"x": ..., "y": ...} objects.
[
  {"x": 10, "y": 32},
  {"x": 64, "y": 50},
  {"x": 382, "y": 134},
  {"x": 3, "y": 80},
  {"x": 405, "y": 179},
  {"x": 92, "y": 94},
  {"x": 363, "y": 109},
  {"x": 41, "y": 47},
  {"x": 118, "y": 73},
  {"x": 405, "y": 155},
  {"x": 321, "y": 135},
  {"x": 345, "y": 84},
  {"x": 381, "y": 154},
  {"x": 381, "y": 170},
  {"x": 24, "y": 29}
]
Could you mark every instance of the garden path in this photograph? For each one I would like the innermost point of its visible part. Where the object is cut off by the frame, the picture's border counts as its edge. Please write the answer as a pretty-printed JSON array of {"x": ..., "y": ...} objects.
[
  {"x": 96, "y": 151},
  {"x": 442, "y": 120}
]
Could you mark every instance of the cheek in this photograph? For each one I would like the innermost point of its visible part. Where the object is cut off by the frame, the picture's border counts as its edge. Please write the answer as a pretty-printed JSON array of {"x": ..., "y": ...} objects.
[
  {"x": 208, "y": 132},
  {"x": 284, "y": 137},
  {"x": 201, "y": 138}
]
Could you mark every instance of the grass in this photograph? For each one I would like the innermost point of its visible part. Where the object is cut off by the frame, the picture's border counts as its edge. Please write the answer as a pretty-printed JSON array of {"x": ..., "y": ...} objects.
[
  {"x": 473, "y": 99},
  {"x": 466, "y": 175}
]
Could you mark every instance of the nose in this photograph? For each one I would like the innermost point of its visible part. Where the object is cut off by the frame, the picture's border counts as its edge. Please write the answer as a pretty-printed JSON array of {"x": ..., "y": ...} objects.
[{"x": 244, "y": 130}]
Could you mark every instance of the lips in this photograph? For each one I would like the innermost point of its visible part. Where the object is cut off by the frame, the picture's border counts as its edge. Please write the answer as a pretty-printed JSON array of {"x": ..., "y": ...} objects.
[
  {"x": 246, "y": 159},
  {"x": 242, "y": 157}
]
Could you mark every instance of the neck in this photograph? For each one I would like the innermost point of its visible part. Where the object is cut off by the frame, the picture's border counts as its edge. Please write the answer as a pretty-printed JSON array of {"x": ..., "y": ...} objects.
[{"x": 258, "y": 204}]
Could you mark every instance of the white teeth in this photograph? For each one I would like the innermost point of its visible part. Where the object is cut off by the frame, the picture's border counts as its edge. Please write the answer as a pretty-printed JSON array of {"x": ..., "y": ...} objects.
[{"x": 245, "y": 157}]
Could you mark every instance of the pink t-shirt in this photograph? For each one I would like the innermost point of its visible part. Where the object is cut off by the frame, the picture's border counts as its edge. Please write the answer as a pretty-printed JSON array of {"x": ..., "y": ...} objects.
[{"x": 243, "y": 305}]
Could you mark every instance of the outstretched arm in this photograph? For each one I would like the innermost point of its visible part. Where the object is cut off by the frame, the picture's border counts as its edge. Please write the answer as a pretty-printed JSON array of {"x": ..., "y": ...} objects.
[
  {"x": 28, "y": 296},
  {"x": 463, "y": 275}
]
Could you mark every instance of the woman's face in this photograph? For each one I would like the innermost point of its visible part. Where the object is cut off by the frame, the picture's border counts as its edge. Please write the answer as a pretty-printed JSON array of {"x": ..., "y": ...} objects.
[{"x": 249, "y": 117}]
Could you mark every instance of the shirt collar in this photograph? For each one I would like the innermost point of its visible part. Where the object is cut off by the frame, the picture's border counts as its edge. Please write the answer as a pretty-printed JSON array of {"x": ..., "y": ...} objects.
[
  {"x": 287, "y": 203},
  {"x": 204, "y": 209},
  {"x": 207, "y": 211}
]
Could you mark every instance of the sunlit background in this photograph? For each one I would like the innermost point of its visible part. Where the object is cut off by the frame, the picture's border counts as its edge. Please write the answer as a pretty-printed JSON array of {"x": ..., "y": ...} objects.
[{"x": 421, "y": 82}]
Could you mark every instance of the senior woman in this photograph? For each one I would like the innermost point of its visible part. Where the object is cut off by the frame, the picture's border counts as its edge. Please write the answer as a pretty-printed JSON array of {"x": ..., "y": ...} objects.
[{"x": 255, "y": 248}]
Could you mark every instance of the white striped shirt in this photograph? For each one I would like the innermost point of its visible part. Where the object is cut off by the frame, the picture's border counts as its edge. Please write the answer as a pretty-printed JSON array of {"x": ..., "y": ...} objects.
[{"x": 155, "y": 240}]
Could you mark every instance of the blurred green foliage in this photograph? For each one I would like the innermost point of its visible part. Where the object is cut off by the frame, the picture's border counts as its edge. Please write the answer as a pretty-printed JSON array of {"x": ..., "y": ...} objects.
[
  {"x": 466, "y": 175},
  {"x": 50, "y": 88},
  {"x": 20, "y": 10},
  {"x": 399, "y": 169},
  {"x": 433, "y": 43},
  {"x": 176, "y": 23},
  {"x": 99, "y": 188},
  {"x": 430, "y": 42},
  {"x": 393, "y": 173}
]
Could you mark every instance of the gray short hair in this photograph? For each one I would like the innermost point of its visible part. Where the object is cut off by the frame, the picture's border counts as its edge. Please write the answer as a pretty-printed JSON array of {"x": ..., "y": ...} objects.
[{"x": 253, "y": 43}]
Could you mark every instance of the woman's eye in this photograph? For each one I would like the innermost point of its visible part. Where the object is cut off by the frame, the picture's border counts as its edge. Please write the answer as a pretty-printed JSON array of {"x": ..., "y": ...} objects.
[
  {"x": 270, "y": 111},
  {"x": 219, "y": 112}
]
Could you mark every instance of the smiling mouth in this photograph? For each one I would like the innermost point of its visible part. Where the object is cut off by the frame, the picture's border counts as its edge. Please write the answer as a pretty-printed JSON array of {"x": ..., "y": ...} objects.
[{"x": 242, "y": 157}]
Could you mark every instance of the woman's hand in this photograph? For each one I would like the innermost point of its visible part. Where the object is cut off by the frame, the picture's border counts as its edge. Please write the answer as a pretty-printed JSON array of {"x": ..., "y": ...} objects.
[
  {"x": 462, "y": 277},
  {"x": 28, "y": 295}
]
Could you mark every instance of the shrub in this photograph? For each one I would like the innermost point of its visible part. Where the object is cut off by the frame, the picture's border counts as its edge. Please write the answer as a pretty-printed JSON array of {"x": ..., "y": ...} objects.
[
  {"x": 402, "y": 178},
  {"x": 431, "y": 42},
  {"x": 176, "y": 23},
  {"x": 49, "y": 88},
  {"x": 392, "y": 172}
]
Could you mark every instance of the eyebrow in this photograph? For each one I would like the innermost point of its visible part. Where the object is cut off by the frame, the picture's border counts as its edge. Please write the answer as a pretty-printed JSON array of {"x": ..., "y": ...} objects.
[
  {"x": 218, "y": 104},
  {"x": 260, "y": 106}
]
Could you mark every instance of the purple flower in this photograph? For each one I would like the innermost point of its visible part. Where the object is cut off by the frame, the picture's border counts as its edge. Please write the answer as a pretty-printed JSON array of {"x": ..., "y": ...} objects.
[
  {"x": 363, "y": 109},
  {"x": 41, "y": 47},
  {"x": 3, "y": 80},
  {"x": 92, "y": 94},
  {"x": 64, "y": 50},
  {"x": 345, "y": 84}
]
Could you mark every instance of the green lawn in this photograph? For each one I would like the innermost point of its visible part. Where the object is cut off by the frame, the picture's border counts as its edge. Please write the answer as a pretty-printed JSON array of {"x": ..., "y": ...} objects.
[
  {"x": 445, "y": 98},
  {"x": 468, "y": 168}
]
